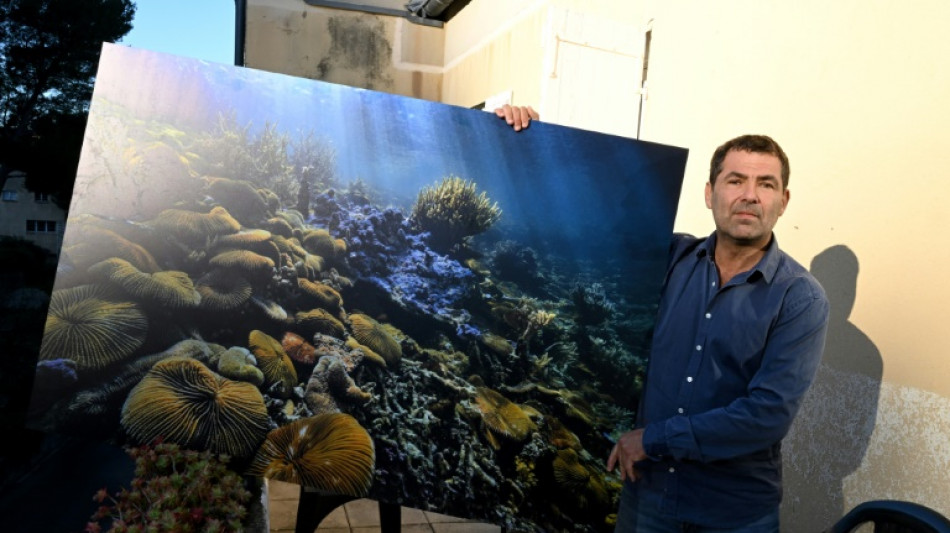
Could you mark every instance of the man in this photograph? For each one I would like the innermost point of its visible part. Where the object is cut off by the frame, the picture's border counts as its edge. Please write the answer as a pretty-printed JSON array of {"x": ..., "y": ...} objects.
[{"x": 737, "y": 342}]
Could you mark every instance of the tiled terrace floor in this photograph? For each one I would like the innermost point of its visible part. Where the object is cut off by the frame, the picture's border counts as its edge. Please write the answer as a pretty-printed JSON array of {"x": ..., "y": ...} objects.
[{"x": 362, "y": 516}]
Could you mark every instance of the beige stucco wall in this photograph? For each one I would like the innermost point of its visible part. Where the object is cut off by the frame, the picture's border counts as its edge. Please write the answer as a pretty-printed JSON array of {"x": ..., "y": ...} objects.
[
  {"x": 854, "y": 91},
  {"x": 856, "y": 94}
]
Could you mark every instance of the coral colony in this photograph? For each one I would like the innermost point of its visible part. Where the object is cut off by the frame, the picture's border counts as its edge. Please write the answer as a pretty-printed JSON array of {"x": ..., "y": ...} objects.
[{"x": 317, "y": 335}]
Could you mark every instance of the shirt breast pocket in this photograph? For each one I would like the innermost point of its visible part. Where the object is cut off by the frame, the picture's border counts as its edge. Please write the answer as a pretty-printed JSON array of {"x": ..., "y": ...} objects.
[{"x": 737, "y": 344}]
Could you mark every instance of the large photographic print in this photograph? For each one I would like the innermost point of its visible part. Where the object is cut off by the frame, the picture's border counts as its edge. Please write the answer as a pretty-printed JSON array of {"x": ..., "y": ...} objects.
[{"x": 362, "y": 293}]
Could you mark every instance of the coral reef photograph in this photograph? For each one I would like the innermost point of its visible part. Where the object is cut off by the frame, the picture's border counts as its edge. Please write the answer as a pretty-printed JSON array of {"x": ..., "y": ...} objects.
[{"x": 363, "y": 293}]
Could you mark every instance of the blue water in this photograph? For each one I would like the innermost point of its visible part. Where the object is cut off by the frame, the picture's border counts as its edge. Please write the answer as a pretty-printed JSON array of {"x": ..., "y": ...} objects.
[{"x": 602, "y": 199}]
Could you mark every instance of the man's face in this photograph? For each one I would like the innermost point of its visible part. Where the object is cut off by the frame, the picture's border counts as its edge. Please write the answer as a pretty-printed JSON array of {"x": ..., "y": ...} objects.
[{"x": 747, "y": 198}]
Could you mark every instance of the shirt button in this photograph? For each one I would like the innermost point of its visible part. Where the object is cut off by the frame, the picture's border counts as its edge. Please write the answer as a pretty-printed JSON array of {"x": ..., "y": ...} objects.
[
  {"x": 672, "y": 470},
  {"x": 708, "y": 315},
  {"x": 689, "y": 379},
  {"x": 680, "y": 410},
  {"x": 699, "y": 348}
]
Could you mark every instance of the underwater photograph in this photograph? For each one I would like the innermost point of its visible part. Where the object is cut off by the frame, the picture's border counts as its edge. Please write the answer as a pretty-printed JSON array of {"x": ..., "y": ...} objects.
[{"x": 366, "y": 294}]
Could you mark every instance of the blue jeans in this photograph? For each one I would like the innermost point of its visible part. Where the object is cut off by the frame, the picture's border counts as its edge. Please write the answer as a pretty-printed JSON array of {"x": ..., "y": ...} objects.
[{"x": 635, "y": 516}]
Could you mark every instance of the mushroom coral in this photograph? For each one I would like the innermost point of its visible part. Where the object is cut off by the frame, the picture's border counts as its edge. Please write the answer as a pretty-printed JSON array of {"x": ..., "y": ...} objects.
[
  {"x": 319, "y": 321},
  {"x": 222, "y": 291},
  {"x": 569, "y": 473},
  {"x": 279, "y": 373},
  {"x": 320, "y": 242},
  {"x": 278, "y": 226},
  {"x": 320, "y": 294},
  {"x": 255, "y": 240},
  {"x": 196, "y": 228},
  {"x": 86, "y": 326},
  {"x": 96, "y": 244},
  {"x": 239, "y": 197},
  {"x": 330, "y": 452},
  {"x": 502, "y": 416},
  {"x": 168, "y": 288},
  {"x": 182, "y": 401},
  {"x": 368, "y": 353},
  {"x": 247, "y": 262},
  {"x": 246, "y": 239},
  {"x": 371, "y": 334}
]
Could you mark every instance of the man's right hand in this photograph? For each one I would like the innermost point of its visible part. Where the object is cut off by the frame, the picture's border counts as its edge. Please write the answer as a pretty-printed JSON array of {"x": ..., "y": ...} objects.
[
  {"x": 518, "y": 117},
  {"x": 627, "y": 451}
]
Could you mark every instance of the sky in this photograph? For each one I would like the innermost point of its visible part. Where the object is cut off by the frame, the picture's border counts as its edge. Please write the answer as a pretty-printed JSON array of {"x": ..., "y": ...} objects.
[{"x": 202, "y": 29}]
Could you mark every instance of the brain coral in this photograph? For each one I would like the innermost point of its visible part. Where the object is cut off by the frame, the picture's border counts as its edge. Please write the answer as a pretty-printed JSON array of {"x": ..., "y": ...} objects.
[
  {"x": 330, "y": 452},
  {"x": 182, "y": 401},
  {"x": 84, "y": 325},
  {"x": 371, "y": 334}
]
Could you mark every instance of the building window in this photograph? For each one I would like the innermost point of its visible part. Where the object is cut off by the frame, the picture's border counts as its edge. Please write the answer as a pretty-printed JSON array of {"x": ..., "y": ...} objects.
[
  {"x": 9, "y": 196},
  {"x": 41, "y": 226},
  {"x": 41, "y": 197}
]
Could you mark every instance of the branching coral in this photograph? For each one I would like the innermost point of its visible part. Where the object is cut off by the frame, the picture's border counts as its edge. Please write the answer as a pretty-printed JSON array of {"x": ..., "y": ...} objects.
[
  {"x": 591, "y": 303},
  {"x": 452, "y": 211}
]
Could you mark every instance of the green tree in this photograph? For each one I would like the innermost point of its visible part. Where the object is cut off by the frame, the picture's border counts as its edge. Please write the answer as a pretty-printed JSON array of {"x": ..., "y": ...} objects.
[{"x": 49, "y": 52}]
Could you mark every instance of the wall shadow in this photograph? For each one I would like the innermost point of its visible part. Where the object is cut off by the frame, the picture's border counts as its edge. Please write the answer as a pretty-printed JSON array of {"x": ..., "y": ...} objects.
[{"x": 829, "y": 439}]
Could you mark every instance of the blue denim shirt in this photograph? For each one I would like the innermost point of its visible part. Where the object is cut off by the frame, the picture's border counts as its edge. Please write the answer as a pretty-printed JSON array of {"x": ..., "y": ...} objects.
[{"x": 728, "y": 369}]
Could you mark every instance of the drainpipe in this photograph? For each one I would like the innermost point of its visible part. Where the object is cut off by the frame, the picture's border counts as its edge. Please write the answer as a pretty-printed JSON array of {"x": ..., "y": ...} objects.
[{"x": 240, "y": 26}]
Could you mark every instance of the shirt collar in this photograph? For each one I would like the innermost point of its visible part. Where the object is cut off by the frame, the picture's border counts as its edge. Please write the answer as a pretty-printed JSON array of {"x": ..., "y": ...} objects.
[{"x": 766, "y": 267}]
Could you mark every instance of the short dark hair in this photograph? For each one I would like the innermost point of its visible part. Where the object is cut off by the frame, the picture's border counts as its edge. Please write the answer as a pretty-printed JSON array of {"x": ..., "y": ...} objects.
[{"x": 749, "y": 143}]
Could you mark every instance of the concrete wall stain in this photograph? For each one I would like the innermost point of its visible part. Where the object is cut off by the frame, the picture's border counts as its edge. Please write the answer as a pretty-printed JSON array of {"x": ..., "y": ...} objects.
[{"x": 357, "y": 45}]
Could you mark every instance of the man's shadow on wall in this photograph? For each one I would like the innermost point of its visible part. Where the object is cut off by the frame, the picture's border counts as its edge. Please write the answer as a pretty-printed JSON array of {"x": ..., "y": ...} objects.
[{"x": 828, "y": 441}]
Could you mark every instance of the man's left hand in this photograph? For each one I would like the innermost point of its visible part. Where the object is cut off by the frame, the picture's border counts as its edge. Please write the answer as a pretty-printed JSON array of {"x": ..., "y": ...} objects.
[{"x": 518, "y": 117}]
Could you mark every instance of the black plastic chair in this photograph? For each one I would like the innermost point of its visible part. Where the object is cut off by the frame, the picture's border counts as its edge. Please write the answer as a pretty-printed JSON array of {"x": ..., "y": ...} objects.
[{"x": 890, "y": 516}]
